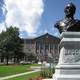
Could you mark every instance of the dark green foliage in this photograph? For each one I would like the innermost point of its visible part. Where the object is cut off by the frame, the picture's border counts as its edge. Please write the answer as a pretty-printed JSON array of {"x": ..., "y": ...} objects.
[
  {"x": 53, "y": 70},
  {"x": 47, "y": 72},
  {"x": 10, "y": 45}
]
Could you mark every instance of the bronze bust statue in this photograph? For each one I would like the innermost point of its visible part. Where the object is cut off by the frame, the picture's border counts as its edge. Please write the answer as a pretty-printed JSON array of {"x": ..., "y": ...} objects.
[{"x": 68, "y": 23}]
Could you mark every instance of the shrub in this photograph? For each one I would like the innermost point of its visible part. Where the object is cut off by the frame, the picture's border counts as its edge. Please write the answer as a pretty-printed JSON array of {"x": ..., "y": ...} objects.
[{"x": 47, "y": 72}]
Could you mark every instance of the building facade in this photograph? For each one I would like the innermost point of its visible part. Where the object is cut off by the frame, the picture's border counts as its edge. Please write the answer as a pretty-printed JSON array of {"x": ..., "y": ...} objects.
[{"x": 44, "y": 47}]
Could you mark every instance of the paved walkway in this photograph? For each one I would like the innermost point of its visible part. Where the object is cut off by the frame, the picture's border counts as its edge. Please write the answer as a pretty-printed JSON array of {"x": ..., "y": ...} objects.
[{"x": 21, "y": 74}]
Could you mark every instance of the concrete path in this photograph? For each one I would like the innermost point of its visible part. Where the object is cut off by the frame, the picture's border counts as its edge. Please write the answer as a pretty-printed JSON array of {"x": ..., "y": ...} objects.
[{"x": 21, "y": 74}]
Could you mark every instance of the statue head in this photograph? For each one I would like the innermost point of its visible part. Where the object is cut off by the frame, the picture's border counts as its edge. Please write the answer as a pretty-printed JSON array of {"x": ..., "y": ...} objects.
[{"x": 70, "y": 10}]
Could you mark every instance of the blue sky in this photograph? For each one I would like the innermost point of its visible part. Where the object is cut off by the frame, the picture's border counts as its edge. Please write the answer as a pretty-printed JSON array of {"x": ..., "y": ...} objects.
[{"x": 34, "y": 17}]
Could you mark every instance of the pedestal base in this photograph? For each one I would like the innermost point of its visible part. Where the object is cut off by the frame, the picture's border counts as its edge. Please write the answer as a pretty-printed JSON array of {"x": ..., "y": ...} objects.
[
  {"x": 68, "y": 67},
  {"x": 67, "y": 77},
  {"x": 67, "y": 72}
]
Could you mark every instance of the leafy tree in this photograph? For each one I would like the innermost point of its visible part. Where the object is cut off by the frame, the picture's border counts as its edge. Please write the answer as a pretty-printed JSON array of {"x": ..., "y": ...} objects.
[{"x": 10, "y": 44}]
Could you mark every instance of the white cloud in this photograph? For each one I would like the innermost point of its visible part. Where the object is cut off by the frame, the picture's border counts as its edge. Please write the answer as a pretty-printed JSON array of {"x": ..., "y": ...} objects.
[
  {"x": 24, "y": 14},
  {"x": 2, "y": 27}
]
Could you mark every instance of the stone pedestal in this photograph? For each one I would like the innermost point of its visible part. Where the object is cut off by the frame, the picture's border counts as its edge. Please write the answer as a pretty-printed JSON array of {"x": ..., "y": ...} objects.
[{"x": 68, "y": 67}]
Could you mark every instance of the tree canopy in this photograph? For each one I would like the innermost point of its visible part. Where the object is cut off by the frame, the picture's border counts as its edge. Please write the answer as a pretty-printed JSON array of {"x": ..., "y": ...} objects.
[{"x": 10, "y": 45}]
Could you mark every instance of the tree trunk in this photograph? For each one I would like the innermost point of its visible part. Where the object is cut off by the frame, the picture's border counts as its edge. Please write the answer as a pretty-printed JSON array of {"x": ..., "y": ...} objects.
[{"x": 7, "y": 59}]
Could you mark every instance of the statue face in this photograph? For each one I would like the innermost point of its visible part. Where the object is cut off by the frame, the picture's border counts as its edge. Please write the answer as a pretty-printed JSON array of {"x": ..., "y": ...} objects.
[{"x": 69, "y": 10}]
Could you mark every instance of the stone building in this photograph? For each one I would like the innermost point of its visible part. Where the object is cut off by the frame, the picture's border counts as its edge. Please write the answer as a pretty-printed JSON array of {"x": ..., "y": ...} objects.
[{"x": 43, "y": 47}]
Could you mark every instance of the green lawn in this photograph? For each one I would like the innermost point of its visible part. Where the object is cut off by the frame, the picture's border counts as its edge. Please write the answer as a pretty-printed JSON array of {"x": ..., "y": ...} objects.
[
  {"x": 14, "y": 69},
  {"x": 26, "y": 77}
]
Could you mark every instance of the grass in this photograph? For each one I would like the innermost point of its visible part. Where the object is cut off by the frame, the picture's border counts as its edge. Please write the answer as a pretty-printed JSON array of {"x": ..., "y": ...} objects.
[
  {"x": 14, "y": 69},
  {"x": 45, "y": 74},
  {"x": 26, "y": 77}
]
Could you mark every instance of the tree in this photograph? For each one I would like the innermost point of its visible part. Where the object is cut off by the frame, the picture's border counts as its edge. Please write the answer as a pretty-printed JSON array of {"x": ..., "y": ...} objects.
[{"x": 10, "y": 44}]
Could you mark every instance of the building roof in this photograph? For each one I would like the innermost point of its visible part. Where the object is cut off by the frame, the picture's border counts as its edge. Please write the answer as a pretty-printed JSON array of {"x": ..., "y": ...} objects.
[
  {"x": 49, "y": 37},
  {"x": 44, "y": 37}
]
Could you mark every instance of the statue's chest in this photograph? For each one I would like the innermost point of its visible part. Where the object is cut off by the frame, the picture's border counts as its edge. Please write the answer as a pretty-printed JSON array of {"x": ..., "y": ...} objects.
[{"x": 66, "y": 23}]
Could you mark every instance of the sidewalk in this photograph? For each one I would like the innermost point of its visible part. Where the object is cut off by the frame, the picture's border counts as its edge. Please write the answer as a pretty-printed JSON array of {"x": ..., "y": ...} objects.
[{"x": 21, "y": 74}]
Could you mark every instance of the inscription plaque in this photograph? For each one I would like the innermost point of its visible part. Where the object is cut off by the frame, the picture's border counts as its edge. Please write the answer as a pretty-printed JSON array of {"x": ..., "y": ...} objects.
[{"x": 72, "y": 56}]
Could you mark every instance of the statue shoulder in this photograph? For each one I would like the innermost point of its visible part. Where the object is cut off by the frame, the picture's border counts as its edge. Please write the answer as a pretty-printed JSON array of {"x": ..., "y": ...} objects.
[
  {"x": 77, "y": 21},
  {"x": 58, "y": 23},
  {"x": 74, "y": 26}
]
